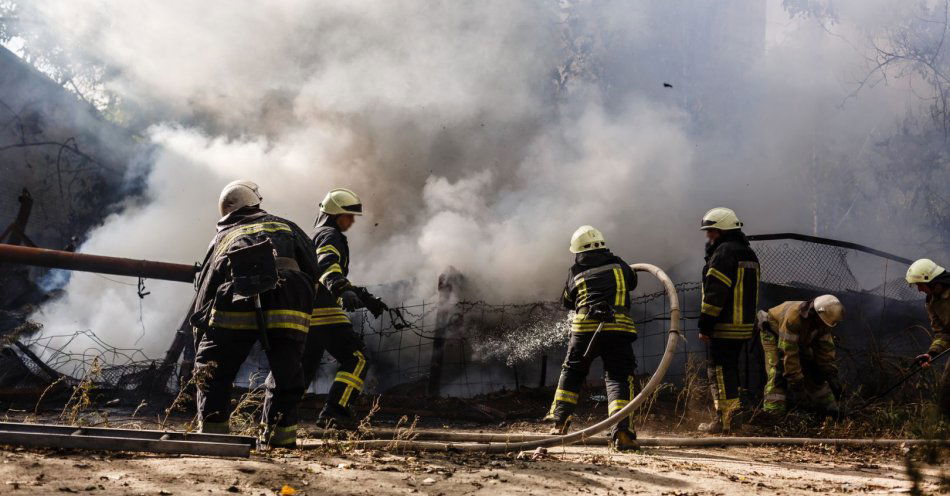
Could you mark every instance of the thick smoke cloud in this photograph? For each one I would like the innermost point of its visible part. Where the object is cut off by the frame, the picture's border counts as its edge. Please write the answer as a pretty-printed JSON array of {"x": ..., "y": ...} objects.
[{"x": 479, "y": 134}]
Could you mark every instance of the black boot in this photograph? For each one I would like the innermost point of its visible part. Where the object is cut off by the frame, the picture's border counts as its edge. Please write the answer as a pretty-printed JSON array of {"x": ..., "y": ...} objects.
[
  {"x": 715, "y": 427},
  {"x": 337, "y": 418},
  {"x": 625, "y": 440},
  {"x": 561, "y": 426}
]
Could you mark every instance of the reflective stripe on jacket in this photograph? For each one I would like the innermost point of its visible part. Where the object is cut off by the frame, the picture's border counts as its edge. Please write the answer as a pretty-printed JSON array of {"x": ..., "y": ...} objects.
[
  {"x": 599, "y": 277},
  {"x": 333, "y": 262},
  {"x": 286, "y": 306},
  {"x": 730, "y": 288}
]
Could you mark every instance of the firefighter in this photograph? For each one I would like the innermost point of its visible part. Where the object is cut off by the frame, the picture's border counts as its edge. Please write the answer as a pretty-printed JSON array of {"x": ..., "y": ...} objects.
[
  {"x": 597, "y": 290},
  {"x": 227, "y": 324},
  {"x": 727, "y": 317},
  {"x": 330, "y": 327},
  {"x": 800, "y": 353},
  {"x": 934, "y": 281}
]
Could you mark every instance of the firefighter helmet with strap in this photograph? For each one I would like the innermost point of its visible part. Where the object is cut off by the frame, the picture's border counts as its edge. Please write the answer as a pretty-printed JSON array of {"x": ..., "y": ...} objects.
[
  {"x": 587, "y": 238},
  {"x": 720, "y": 218},
  {"x": 341, "y": 201}
]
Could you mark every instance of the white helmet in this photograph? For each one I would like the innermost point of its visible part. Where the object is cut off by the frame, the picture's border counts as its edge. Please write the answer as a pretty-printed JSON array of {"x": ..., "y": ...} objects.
[
  {"x": 829, "y": 309},
  {"x": 720, "y": 218},
  {"x": 587, "y": 238},
  {"x": 341, "y": 201},
  {"x": 923, "y": 271},
  {"x": 238, "y": 194}
]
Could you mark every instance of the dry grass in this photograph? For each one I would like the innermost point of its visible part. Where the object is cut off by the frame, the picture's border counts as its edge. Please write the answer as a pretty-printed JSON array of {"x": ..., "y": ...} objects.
[
  {"x": 81, "y": 398},
  {"x": 909, "y": 412},
  {"x": 36, "y": 408},
  {"x": 244, "y": 419},
  {"x": 340, "y": 442},
  {"x": 695, "y": 388},
  {"x": 198, "y": 379},
  {"x": 405, "y": 431}
]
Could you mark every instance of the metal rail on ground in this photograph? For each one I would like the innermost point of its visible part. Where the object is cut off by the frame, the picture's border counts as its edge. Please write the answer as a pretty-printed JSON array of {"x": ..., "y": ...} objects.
[{"x": 105, "y": 439}]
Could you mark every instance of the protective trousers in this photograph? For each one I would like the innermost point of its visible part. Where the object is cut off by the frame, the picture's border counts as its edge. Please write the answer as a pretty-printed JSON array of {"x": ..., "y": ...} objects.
[
  {"x": 616, "y": 350},
  {"x": 219, "y": 356},
  {"x": 723, "y": 373},
  {"x": 347, "y": 348},
  {"x": 816, "y": 388}
]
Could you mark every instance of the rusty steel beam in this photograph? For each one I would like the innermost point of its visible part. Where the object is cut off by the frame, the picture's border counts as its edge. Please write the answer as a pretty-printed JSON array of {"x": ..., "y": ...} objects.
[{"x": 57, "y": 259}]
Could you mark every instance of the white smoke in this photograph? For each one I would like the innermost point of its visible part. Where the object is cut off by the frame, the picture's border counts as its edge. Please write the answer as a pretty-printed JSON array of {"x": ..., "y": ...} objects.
[{"x": 456, "y": 124}]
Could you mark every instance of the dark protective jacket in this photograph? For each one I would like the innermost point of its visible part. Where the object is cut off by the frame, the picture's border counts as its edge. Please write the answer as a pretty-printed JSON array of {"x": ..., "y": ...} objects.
[
  {"x": 285, "y": 307},
  {"x": 938, "y": 308},
  {"x": 599, "y": 277},
  {"x": 333, "y": 262},
  {"x": 802, "y": 336},
  {"x": 730, "y": 288}
]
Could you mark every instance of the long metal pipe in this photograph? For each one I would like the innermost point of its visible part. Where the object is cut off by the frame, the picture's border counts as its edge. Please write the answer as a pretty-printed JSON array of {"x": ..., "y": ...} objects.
[{"x": 57, "y": 259}]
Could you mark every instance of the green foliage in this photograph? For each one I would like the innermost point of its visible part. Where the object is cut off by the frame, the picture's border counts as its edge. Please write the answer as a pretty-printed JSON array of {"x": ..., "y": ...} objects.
[{"x": 68, "y": 63}]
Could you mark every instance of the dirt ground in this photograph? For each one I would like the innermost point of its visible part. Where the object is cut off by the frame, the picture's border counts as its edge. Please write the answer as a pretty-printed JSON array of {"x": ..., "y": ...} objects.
[{"x": 572, "y": 470}]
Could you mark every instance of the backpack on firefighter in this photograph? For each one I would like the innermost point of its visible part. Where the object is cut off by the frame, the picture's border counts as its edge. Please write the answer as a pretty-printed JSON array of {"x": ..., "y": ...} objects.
[{"x": 254, "y": 271}]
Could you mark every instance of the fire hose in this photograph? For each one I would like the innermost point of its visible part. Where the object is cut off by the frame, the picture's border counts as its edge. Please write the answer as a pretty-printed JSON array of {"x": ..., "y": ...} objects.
[
  {"x": 505, "y": 443},
  {"x": 435, "y": 440},
  {"x": 584, "y": 434}
]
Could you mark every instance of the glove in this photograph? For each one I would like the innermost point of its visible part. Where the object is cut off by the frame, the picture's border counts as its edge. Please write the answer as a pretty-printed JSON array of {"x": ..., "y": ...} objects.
[
  {"x": 351, "y": 300},
  {"x": 601, "y": 313},
  {"x": 375, "y": 306},
  {"x": 370, "y": 302},
  {"x": 923, "y": 360}
]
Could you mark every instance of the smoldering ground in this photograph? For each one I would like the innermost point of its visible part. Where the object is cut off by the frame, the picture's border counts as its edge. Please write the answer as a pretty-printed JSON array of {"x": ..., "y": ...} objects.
[{"x": 479, "y": 135}]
